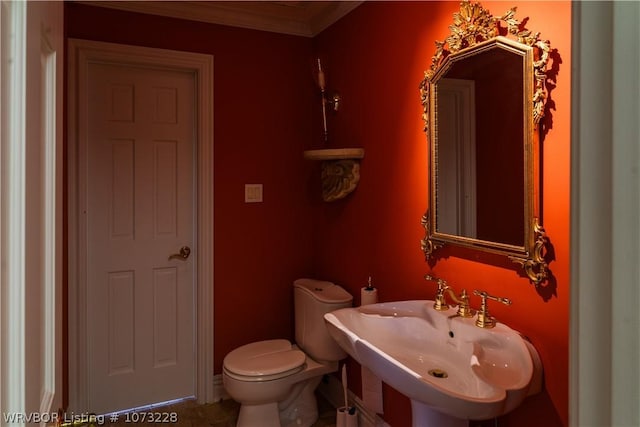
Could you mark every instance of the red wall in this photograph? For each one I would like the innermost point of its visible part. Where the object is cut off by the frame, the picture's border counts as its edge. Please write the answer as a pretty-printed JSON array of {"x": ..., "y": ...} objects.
[
  {"x": 377, "y": 55},
  {"x": 263, "y": 117},
  {"x": 266, "y": 114}
]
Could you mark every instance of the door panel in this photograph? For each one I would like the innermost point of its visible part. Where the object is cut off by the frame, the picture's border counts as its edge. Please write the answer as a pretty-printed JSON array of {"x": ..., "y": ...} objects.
[{"x": 140, "y": 303}]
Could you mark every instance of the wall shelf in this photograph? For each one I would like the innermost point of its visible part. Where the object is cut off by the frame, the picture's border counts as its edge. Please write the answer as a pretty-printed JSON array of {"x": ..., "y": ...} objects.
[
  {"x": 340, "y": 170},
  {"x": 334, "y": 154}
]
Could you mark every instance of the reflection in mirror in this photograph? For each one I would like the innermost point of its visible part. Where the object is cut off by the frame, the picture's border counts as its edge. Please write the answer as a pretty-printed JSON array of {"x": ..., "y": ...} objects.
[
  {"x": 483, "y": 98},
  {"x": 479, "y": 151}
]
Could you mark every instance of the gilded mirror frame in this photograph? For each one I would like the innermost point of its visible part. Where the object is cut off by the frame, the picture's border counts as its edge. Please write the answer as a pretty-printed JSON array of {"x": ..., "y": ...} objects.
[{"x": 475, "y": 30}]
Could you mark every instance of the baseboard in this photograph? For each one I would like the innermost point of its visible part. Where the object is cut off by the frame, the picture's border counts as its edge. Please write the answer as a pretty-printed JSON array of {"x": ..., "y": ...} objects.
[
  {"x": 331, "y": 389},
  {"x": 219, "y": 392}
]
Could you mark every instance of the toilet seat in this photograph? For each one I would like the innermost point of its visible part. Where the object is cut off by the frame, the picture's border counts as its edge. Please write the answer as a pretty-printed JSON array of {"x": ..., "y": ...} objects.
[{"x": 264, "y": 361}]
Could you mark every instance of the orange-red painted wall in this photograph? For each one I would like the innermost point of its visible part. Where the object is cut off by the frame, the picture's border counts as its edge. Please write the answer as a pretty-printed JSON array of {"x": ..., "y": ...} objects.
[
  {"x": 377, "y": 55},
  {"x": 265, "y": 115}
]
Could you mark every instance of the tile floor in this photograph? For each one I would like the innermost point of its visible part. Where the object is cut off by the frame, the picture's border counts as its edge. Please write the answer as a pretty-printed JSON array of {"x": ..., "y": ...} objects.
[{"x": 222, "y": 414}]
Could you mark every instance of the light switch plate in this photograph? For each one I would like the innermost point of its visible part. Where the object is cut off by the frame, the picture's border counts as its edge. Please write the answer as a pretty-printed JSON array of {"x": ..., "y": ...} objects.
[{"x": 253, "y": 193}]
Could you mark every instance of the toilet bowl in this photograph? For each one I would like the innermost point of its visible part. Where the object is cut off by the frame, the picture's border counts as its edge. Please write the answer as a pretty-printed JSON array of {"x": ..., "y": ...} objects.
[
  {"x": 274, "y": 380},
  {"x": 275, "y": 388}
]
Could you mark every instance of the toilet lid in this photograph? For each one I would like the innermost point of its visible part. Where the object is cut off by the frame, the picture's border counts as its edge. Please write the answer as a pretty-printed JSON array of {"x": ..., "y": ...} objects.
[{"x": 264, "y": 358}]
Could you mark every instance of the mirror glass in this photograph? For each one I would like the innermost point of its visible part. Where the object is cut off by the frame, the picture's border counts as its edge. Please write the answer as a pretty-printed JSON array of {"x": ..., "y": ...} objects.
[
  {"x": 479, "y": 150},
  {"x": 483, "y": 98}
]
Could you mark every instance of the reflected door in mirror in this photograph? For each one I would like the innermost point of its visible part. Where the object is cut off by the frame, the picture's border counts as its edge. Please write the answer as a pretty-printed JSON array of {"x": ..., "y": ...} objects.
[
  {"x": 456, "y": 161},
  {"x": 480, "y": 172}
]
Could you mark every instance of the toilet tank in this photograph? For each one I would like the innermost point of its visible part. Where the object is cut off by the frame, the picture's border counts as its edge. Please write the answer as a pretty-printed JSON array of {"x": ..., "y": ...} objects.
[{"x": 312, "y": 299}]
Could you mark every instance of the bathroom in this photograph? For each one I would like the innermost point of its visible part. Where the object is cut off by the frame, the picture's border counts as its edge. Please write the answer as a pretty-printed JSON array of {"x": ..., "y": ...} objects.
[{"x": 266, "y": 115}]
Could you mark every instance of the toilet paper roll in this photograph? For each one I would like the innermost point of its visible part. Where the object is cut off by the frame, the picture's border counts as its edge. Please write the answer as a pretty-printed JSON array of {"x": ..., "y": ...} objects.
[{"x": 368, "y": 296}]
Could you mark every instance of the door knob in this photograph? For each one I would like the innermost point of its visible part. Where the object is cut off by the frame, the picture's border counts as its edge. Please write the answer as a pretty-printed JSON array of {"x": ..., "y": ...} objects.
[{"x": 182, "y": 255}]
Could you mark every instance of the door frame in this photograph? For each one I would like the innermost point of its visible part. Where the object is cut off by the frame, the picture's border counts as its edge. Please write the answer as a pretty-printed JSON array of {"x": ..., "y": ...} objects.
[
  {"x": 80, "y": 54},
  {"x": 31, "y": 197},
  {"x": 464, "y": 93}
]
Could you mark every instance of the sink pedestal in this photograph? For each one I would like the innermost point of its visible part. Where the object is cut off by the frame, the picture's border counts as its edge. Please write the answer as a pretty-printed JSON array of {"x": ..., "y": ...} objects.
[{"x": 424, "y": 416}]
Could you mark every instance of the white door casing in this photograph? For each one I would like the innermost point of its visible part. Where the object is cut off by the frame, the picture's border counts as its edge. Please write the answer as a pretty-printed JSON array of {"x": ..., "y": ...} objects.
[
  {"x": 87, "y": 57},
  {"x": 31, "y": 64}
]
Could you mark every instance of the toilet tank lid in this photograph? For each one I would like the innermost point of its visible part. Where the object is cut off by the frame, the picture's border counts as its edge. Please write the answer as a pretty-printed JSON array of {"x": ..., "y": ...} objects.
[{"x": 324, "y": 291}]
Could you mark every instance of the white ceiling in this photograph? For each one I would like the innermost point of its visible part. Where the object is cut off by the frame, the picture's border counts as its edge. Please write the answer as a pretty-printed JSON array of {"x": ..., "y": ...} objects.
[{"x": 301, "y": 18}]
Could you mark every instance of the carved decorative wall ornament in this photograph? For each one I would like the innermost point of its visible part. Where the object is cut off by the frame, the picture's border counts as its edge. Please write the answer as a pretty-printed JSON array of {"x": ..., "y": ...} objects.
[
  {"x": 535, "y": 267},
  {"x": 427, "y": 245},
  {"x": 474, "y": 24},
  {"x": 340, "y": 170},
  {"x": 339, "y": 178}
]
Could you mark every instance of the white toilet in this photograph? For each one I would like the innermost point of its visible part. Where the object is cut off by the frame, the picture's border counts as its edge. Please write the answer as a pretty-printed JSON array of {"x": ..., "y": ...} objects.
[{"x": 274, "y": 381}]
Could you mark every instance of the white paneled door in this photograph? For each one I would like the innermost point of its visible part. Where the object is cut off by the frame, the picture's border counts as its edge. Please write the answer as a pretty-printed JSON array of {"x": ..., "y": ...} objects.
[{"x": 140, "y": 212}]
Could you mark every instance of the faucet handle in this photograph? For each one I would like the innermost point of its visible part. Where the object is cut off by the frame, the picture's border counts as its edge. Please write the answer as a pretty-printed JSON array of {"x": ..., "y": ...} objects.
[
  {"x": 485, "y": 320},
  {"x": 440, "y": 304},
  {"x": 440, "y": 282}
]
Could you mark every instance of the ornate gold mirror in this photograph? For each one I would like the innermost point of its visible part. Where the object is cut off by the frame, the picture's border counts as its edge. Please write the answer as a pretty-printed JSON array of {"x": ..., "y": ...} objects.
[{"x": 483, "y": 98}]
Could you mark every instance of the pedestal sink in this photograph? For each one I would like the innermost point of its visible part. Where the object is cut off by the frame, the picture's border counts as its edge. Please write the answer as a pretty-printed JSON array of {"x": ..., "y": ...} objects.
[{"x": 452, "y": 370}]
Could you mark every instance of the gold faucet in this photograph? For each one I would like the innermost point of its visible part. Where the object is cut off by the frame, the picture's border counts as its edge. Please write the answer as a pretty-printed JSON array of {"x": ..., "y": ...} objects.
[
  {"x": 440, "y": 304},
  {"x": 485, "y": 320},
  {"x": 464, "y": 310}
]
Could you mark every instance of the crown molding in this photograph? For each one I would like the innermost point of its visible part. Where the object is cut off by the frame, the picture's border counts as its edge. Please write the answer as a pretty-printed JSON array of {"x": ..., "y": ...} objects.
[{"x": 299, "y": 18}]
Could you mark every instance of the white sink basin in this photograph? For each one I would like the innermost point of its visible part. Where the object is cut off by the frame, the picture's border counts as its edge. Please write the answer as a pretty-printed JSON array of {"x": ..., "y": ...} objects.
[{"x": 451, "y": 369}]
